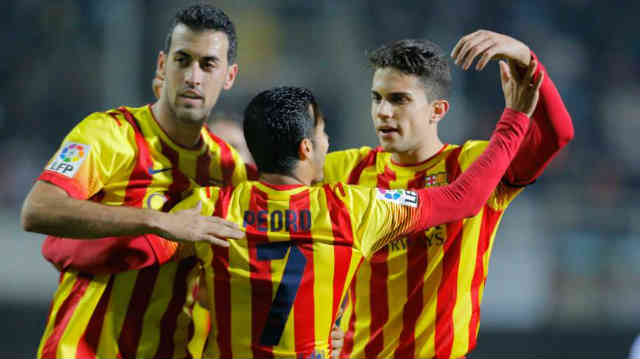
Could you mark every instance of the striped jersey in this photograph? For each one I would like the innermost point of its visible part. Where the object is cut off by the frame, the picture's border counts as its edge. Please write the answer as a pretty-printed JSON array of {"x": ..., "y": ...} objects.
[
  {"x": 123, "y": 158},
  {"x": 419, "y": 297},
  {"x": 276, "y": 293}
]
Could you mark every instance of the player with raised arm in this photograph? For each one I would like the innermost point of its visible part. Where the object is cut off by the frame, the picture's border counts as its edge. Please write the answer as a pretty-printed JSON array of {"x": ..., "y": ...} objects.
[
  {"x": 114, "y": 175},
  {"x": 433, "y": 308},
  {"x": 277, "y": 292}
]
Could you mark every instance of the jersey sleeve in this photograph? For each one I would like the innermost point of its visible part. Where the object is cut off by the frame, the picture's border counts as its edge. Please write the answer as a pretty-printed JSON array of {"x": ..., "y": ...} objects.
[
  {"x": 94, "y": 152},
  {"x": 339, "y": 165},
  {"x": 551, "y": 130},
  {"x": 504, "y": 193},
  {"x": 379, "y": 216}
]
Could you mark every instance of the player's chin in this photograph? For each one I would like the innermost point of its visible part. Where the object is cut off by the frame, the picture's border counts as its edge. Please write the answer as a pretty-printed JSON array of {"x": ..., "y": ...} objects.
[{"x": 191, "y": 115}]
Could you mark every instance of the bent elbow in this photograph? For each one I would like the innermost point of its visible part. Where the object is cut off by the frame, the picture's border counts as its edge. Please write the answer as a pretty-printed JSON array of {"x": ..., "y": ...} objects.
[
  {"x": 473, "y": 209},
  {"x": 29, "y": 218}
]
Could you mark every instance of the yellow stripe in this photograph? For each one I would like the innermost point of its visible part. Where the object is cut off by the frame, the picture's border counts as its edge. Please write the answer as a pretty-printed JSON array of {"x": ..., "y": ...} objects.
[
  {"x": 200, "y": 333},
  {"x": 466, "y": 270},
  {"x": 323, "y": 268},
  {"x": 362, "y": 308},
  {"x": 426, "y": 324},
  {"x": 160, "y": 297},
  {"x": 241, "y": 322},
  {"x": 115, "y": 314},
  {"x": 68, "y": 345},
  {"x": 61, "y": 294}
]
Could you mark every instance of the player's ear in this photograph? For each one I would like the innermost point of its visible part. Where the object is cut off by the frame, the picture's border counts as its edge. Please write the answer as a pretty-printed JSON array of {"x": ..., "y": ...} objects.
[
  {"x": 232, "y": 72},
  {"x": 305, "y": 149},
  {"x": 439, "y": 110},
  {"x": 160, "y": 65}
]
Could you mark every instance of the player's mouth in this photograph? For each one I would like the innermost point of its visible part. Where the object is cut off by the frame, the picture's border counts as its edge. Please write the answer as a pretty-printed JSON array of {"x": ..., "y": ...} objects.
[
  {"x": 191, "y": 97},
  {"x": 386, "y": 132}
]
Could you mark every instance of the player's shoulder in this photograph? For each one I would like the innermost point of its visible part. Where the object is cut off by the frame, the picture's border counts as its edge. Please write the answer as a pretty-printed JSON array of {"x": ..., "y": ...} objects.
[
  {"x": 112, "y": 122},
  {"x": 470, "y": 150},
  {"x": 353, "y": 154}
]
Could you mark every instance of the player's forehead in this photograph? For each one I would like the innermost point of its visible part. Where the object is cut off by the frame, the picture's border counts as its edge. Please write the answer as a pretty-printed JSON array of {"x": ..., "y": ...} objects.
[
  {"x": 199, "y": 43},
  {"x": 388, "y": 80}
]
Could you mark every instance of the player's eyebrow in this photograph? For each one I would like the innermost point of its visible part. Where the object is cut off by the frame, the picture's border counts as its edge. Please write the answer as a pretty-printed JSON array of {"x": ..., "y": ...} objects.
[{"x": 213, "y": 58}]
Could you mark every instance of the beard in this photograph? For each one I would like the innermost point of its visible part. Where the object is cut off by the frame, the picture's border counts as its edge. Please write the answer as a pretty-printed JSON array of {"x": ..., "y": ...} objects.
[{"x": 189, "y": 116}]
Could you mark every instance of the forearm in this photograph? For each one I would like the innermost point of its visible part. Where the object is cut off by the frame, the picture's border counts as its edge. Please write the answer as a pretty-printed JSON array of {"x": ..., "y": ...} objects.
[
  {"x": 466, "y": 195},
  {"x": 49, "y": 210},
  {"x": 551, "y": 129}
]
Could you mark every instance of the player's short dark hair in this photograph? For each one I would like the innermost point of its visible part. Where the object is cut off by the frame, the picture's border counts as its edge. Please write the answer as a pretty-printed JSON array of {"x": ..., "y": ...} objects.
[
  {"x": 417, "y": 57},
  {"x": 275, "y": 122},
  {"x": 201, "y": 17}
]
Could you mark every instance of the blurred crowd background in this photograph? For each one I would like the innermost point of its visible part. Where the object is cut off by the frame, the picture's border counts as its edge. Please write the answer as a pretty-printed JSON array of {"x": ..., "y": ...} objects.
[{"x": 565, "y": 272}]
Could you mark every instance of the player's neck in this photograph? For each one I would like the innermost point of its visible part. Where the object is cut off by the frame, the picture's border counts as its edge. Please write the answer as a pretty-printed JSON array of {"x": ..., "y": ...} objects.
[
  {"x": 278, "y": 179},
  {"x": 183, "y": 134},
  {"x": 426, "y": 150}
]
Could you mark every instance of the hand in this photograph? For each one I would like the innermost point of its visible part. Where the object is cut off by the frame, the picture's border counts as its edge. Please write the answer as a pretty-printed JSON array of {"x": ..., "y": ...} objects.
[
  {"x": 489, "y": 45},
  {"x": 521, "y": 92},
  {"x": 190, "y": 226},
  {"x": 337, "y": 341}
]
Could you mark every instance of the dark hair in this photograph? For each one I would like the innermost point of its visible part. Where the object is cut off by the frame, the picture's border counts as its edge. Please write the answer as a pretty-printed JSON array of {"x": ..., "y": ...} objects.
[
  {"x": 275, "y": 122},
  {"x": 205, "y": 17},
  {"x": 417, "y": 57}
]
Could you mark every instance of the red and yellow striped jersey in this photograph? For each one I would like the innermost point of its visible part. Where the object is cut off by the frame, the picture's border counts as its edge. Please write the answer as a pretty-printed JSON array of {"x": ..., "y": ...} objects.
[
  {"x": 419, "y": 297},
  {"x": 277, "y": 292},
  {"x": 138, "y": 301}
]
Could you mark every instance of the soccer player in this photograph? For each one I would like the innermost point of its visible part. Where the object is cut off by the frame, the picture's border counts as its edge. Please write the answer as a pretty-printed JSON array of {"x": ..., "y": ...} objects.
[
  {"x": 277, "y": 292},
  {"x": 121, "y": 294},
  {"x": 419, "y": 297}
]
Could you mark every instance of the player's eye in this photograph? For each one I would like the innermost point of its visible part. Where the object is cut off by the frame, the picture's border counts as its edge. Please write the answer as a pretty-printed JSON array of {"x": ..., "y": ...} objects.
[
  {"x": 398, "y": 99},
  {"x": 375, "y": 97},
  {"x": 182, "y": 60},
  {"x": 209, "y": 65}
]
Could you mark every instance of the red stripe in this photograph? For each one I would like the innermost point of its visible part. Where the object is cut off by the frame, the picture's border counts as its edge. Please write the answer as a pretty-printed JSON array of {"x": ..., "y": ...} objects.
[
  {"x": 180, "y": 181},
  {"x": 261, "y": 283},
  {"x": 222, "y": 293},
  {"x": 227, "y": 163},
  {"x": 447, "y": 290},
  {"x": 90, "y": 338},
  {"x": 138, "y": 304},
  {"x": 202, "y": 169},
  {"x": 417, "y": 260},
  {"x": 140, "y": 178},
  {"x": 490, "y": 219},
  {"x": 347, "y": 346},
  {"x": 343, "y": 240},
  {"x": 169, "y": 320},
  {"x": 115, "y": 117},
  {"x": 65, "y": 312},
  {"x": 378, "y": 284},
  {"x": 303, "y": 306},
  {"x": 367, "y": 161}
]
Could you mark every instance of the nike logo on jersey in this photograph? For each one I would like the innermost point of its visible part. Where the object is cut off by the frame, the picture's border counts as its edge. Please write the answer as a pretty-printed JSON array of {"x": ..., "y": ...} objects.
[{"x": 153, "y": 172}]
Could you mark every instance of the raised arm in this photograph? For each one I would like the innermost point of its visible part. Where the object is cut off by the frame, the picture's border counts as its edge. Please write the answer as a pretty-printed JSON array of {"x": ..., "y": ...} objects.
[
  {"x": 551, "y": 128},
  {"x": 466, "y": 195}
]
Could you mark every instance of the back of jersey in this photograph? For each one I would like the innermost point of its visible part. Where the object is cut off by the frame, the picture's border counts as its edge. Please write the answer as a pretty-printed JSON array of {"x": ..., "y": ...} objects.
[{"x": 277, "y": 292}]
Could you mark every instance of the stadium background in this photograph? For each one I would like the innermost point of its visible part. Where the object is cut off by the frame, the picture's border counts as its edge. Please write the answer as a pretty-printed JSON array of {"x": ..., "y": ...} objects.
[{"x": 565, "y": 271}]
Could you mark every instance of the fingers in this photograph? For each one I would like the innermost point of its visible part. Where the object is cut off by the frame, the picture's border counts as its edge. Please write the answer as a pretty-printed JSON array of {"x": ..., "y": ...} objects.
[
  {"x": 505, "y": 73},
  {"x": 538, "y": 82},
  {"x": 215, "y": 241},
  {"x": 531, "y": 71},
  {"x": 487, "y": 55},
  {"x": 223, "y": 228},
  {"x": 468, "y": 47}
]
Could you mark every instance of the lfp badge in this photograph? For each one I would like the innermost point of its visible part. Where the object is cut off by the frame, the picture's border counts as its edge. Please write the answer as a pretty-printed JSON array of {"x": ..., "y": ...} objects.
[
  {"x": 399, "y": 196},
  {"x": 69, "y": 159}
]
